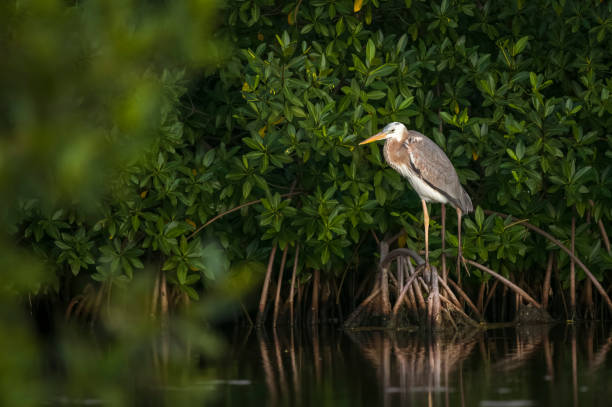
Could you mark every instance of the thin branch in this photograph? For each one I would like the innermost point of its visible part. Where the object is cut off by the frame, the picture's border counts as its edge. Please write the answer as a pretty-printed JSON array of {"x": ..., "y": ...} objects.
[
  {"x": 222, "y": 214},
  {"x": 507, "y": 282},
  {"x": 569, "y": 253},
  {"x": 375, "y": 238},
  {"x": 465, "y": 297}
]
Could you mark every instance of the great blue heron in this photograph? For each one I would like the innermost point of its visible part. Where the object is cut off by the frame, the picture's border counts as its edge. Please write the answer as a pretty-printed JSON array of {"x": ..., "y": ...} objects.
[{"x": 428, "y": 170}]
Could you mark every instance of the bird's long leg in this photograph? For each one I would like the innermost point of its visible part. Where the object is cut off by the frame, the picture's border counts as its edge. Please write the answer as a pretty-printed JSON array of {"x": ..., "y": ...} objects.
[
  {"x": 444, "y": 271},
  {"x": 459, "y": 255},
  {"x": 426, "y": 222}
]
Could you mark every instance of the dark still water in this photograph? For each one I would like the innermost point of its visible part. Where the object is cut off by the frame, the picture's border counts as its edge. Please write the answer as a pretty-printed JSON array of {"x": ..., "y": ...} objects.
[{"x": 530, "y": 366}]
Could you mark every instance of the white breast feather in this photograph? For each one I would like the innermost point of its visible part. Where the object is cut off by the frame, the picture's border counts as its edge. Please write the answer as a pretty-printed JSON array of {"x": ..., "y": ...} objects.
[{"x": 425, "y": 191}]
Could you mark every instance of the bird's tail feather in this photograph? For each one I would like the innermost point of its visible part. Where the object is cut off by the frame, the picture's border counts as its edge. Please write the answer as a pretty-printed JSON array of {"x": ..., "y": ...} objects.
[{"x": 465, "y": 203}]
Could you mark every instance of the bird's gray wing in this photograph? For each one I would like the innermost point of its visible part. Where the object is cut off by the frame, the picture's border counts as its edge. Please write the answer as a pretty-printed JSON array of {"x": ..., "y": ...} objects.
[{"x": 433, "y": 166}]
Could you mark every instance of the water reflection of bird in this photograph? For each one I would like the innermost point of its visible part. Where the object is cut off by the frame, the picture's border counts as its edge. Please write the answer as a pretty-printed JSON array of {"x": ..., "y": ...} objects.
[{"x": 428, "y": 170}]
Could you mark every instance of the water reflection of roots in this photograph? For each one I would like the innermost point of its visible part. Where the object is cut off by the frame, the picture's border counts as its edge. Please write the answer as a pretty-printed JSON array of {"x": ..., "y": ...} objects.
[
  {"x": 409, "y": 364},
  {"x": 411, "y": 368}
]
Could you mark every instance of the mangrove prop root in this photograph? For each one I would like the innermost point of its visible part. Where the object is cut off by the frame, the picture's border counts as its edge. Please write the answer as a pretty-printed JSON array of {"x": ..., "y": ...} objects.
[
  {"x": 459, "y": 311},
  {"x": 573, "y": 271},
  {"x": 155, "y": 296},
  {"x": 450, "y": 318},
  {"x": 450, "y": 293},
  {"x": 465, "y": 297},
  {"x": 384, "y": 282},
  {"x": 490, "y": 296},
  {"x": 264, "y": 291},
  {"x": 85, "y": 306},
  {"x": 246, "y": 314},
  {"x": 434, "y": 300},
  {"x": 408, "y": 284},
  {"x": 75, "y": 301},
  {"x": 419, "y": 295},
  {"x": 426, "y": 288},
  {"x": 293, "y": 277},
  {"x": 163, "y": 296},
  {"x": 505, "y": 281},
  {"x": 394, "y": 254},
  {"x": 584, "y": 268},
  {"x": 279, "y": 285},
  {"x": 481, "y": 292},
  {"x": 602, "y": 230},
  {"x": 410, "y": 298},
  {"x": 413, "y": 288},
  {"x": 560, "y": 288},
  {"x": 400, "y": 276},
  {"x": 546, "y": 284},
  {"x": 98, "y": 304},
  {"x": 589, "y": 312},
  {"x": 360, "y": 309},
  {"x": 315, "y": 298}
]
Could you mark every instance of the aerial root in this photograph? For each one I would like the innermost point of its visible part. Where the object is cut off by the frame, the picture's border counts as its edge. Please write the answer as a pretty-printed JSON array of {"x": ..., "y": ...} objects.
[{"x": 419, "y": 295}]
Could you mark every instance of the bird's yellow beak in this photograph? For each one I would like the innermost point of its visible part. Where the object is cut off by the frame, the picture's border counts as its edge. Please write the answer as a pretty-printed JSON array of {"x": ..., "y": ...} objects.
[{"x": 375, "y": 137}]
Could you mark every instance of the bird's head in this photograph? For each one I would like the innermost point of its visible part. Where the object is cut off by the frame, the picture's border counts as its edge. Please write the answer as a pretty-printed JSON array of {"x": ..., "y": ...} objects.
[{"x": 395, "y": 130}]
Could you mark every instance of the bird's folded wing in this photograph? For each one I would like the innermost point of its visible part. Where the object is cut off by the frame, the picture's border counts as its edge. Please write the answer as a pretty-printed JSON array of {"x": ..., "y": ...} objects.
[{"x": 433, "y": 166}]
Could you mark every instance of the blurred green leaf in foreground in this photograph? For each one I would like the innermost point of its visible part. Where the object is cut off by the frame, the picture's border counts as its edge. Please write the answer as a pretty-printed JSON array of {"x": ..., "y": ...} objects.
[{"x": 82, "y": 93}]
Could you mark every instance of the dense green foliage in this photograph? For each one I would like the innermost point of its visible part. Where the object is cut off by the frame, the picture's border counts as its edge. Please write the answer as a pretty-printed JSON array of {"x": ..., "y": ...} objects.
[{"x": 516, "y": 93}]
